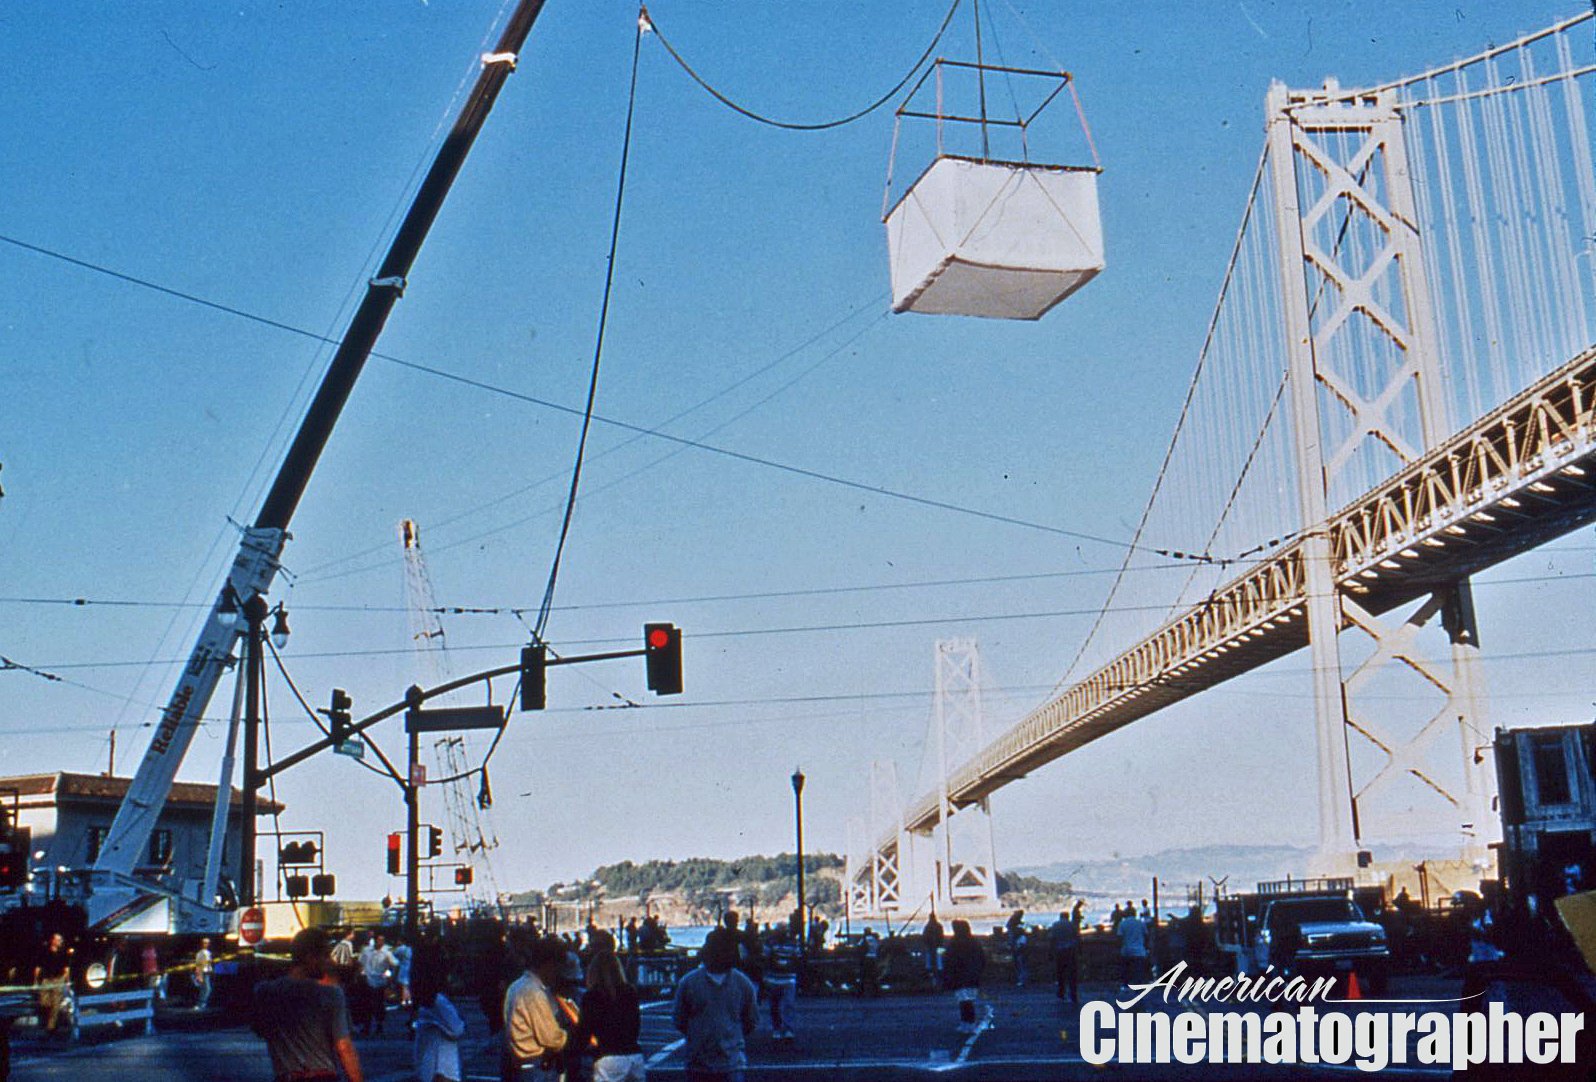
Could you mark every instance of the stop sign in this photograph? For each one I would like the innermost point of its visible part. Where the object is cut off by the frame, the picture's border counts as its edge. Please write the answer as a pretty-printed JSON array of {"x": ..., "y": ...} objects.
[{"x": 252, "y": 926}]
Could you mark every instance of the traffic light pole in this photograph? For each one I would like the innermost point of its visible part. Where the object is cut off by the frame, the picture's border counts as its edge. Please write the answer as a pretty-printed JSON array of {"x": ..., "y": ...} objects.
[{"x": 413, "y": 825}]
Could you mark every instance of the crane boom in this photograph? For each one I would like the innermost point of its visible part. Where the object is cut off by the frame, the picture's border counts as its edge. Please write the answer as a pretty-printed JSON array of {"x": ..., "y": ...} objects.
[{"x": 261, "y": 548}]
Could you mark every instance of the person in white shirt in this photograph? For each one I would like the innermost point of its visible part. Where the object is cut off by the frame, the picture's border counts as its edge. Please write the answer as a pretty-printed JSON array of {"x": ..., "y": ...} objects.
[{"x": 377, "y": 966}]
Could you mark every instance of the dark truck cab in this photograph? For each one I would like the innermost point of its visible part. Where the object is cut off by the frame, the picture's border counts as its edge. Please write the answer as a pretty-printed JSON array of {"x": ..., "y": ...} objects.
[
  {"x": 1311, "y": 927},
  {"x": 1323, "y": 936}
]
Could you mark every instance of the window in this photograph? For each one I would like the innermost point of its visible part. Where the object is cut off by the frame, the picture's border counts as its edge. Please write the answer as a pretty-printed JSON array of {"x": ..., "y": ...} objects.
[
  {"x": 97, "y": 836},
  {"x": 161, "y": 847},
  {"x": 1551, "y": 770}
]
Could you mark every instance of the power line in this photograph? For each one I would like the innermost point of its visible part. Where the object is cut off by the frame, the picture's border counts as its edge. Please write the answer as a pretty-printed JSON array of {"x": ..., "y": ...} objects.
[
  {"x": 758, "y": 595},
  {"x": 682, "y": 441},
  {"x": 313, "y": 574},
  {"x": 645, "y": 467},
  {"x": 648, "y": 22},
  {"x": 737, "y": 633},
  {"x": 458, "y": 610}
]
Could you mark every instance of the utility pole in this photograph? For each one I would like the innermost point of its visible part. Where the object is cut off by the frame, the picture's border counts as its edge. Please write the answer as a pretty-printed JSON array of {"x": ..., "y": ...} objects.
[
  {"x": 414, "y": 696},
  {"x": 255, "y": 620}
]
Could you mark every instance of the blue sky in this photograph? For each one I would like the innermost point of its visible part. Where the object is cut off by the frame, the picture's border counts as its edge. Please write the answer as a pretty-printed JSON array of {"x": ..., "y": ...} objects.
[{"x": 256, "y": 155}]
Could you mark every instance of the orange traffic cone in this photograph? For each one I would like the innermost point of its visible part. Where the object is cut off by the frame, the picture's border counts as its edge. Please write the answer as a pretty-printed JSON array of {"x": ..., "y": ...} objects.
[{"x": 1352, "y": 986}]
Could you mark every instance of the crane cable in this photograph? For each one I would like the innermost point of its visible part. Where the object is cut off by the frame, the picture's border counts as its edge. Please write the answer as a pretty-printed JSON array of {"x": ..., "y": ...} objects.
[
  {"x": 646, "y": 22},
  {"x": 598, "y": 346}
]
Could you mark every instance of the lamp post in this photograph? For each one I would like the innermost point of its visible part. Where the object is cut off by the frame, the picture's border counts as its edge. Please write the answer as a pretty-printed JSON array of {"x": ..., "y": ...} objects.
[{"x": 798, "y": 818}]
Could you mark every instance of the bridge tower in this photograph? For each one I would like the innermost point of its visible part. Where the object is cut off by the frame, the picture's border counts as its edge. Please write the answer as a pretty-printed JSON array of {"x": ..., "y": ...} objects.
[
  {"x": 1366, "y": 399},
  {"x": 957, "y": 859}
]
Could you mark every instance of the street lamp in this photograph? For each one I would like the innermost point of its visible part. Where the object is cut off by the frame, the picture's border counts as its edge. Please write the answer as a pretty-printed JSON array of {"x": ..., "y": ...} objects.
[
  {"x": 279, "y": 626},
  {"x": 798, "y": 818}
]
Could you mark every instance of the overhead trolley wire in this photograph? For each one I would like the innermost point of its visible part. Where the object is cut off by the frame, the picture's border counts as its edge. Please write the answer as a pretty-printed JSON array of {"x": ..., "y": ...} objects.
[
  {"x": 316, "y": 572},
  {"x": 598, "y": 349},
  {"x": 646, "y": 21}
]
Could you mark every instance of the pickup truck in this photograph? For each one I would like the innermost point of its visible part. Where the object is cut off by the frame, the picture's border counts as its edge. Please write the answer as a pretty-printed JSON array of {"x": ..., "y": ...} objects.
[{"x": 1320, "y": 936}]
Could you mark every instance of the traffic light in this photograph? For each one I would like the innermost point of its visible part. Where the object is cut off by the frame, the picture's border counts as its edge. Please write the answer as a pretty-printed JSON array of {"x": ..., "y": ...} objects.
[
  {"x": 662, "y": 651},
  {"x": 338, "y": 716},
  {"x": 462, "y": 876},
  {"x": 15, "y": 844},
  {"x": 394, "y": 863},
  {"x": 434, "y": 842},
  {"x": 296, "y": 886},
  {"x": 297, "y": 853},
  {"x": 534, "y": 676},
  {"x": 324, "y": 886}
]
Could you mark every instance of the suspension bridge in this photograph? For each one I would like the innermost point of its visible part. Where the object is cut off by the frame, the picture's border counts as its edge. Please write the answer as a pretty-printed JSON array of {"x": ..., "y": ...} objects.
[{"x": 1396, "y": 391}]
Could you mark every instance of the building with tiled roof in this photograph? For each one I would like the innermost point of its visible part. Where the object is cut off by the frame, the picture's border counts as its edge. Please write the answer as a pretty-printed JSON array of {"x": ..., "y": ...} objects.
[{"x": 70, "y": 814}]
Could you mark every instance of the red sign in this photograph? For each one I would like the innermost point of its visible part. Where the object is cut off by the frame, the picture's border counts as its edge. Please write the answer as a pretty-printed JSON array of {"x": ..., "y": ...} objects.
[
  {"x": 252, "y": 926},
  {"x": 418, "y": 775}
]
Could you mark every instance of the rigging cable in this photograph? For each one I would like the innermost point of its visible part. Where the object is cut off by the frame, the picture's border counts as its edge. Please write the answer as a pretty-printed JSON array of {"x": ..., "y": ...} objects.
[
  {"x": 598, "y": 348},
  {"x": 646, "y": 21}
]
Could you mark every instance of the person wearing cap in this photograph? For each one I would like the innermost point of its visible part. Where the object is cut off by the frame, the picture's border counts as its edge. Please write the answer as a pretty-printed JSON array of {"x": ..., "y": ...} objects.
[
  {"x": 714, "y": 1010},
  {"x": 304, "y": 1019},
  {"x": 533, "y": 1035}
]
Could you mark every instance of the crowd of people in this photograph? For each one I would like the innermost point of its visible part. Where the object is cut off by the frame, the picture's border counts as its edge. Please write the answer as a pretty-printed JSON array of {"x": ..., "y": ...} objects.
[{"x": 560, "y": 1008}]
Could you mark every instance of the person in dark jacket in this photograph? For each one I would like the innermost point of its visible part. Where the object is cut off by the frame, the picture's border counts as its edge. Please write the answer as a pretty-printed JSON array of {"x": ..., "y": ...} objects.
[
  {"x": 1066, "y": 937},
  {"x": 714, "y": 1009},
  {"x": 962, "y": 965},
  {"x": 611, "y": 1021},
  {"x": 933, "y": 937}
]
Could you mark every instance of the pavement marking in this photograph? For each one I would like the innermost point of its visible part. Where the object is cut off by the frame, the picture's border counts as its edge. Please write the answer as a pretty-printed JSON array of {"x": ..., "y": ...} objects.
[
  {"x": 665, "y": 1053},
  {"x": 981, "y": 1027}
]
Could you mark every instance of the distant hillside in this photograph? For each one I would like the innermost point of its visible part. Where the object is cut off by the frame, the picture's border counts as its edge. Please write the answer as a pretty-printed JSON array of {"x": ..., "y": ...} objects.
[
  {"x": 699, "y": 889},
  {"x": 1176, "y": 869}
]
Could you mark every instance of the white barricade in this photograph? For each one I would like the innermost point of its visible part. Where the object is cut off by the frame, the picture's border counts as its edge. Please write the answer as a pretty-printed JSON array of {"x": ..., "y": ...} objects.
[{"x": 112, "y": 1008}]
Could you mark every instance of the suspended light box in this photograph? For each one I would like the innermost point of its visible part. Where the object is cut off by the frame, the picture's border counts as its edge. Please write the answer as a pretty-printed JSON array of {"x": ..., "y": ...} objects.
[{"x": 978, "y": 236}]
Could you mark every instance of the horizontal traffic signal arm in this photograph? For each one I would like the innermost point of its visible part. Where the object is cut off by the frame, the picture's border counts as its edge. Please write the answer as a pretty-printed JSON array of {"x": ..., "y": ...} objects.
[{"x": 420, "y": 696}]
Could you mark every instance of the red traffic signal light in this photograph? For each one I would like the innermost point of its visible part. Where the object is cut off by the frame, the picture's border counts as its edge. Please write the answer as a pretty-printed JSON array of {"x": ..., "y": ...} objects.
[
  {"x": 15, "y": 845},
  {"x": 463, "y": 876},
  {"x": 394, "y": 863},
  {"x": 662, "y": 653}
]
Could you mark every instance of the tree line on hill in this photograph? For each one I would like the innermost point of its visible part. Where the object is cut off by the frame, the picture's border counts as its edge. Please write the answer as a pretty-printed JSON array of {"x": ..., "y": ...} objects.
[{"x": 704, "y": 873}]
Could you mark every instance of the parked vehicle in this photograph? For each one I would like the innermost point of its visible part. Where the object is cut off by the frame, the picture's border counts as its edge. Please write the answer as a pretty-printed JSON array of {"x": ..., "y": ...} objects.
[{"x": 1311, "y": 928}]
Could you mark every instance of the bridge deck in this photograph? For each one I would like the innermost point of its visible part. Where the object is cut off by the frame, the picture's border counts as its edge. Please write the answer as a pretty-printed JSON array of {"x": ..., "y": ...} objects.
[{"x": 1519, "y": 476}]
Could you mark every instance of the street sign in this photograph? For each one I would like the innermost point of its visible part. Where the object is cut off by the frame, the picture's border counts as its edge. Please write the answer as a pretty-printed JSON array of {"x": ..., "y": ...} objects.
[
  {"x": 418, "y": 774},
  {"x": 355, "y": 749},
  {"x": 448, "y": 719},
  {"x": 252, "y": 926}
]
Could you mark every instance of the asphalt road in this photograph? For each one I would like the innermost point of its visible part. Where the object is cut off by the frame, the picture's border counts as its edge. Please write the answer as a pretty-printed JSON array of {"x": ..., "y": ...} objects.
[{"x": 1027, "y": 1035}]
